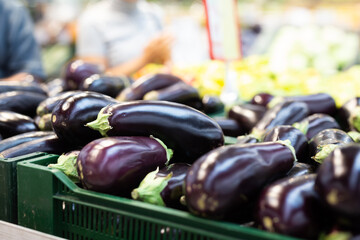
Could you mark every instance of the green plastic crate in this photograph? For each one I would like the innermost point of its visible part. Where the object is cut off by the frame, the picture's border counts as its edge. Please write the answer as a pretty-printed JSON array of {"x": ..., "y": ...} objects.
[
  {"x": 8, "y": 186},
  {"x": 50, "y": 202}
]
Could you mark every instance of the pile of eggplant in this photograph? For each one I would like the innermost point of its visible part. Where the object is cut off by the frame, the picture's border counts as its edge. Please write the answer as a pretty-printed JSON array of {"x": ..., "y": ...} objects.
[{"x": 294, "y": 168}]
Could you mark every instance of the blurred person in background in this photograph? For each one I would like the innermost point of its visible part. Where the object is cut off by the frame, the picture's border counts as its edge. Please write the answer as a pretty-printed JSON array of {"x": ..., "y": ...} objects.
[
  {"x": 19, "y": 51},
  {"x": 122, "y": 36}
]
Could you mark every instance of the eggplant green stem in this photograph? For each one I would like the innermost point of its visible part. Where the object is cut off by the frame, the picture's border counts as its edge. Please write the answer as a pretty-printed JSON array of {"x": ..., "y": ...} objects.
[
  {"x": 324, "y": 152},
  {"x": 258, "y": 134},
  {"x": 101, "y": 123},
  {"x": 302, "y": 126},
  {"x": 151, "y": 187},
  {"x": 169, "y": 152},
  {"x": 67, "y": 164},
  {"x": 355, "y": 136},
  {"x": 287, "y": 143},
  {"x": 275, "y": 101},
  {"x": 355, "y": 118}
]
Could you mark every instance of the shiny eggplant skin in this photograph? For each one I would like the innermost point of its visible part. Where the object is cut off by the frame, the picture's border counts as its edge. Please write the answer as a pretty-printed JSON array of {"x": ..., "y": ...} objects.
[
  {"x": 146, "y": 84},
  {"x": 246, "y": 139},
  {"x": 348, "y": 115},
  {"x": 338, "y": 180},
  {"x": 221, "y": 183},
  {"x": 261, "y": 99},
  {"x": 247, "y": 115},
  {"x": 326, "y": 137},
  {"x": 179, "y": 92},
  {"x": 12, "y": 124},
  {"x": 22, "y": 138},
  {"x": 76, "y": 71},
  {"x": 230, "y": 127},
  {"x": 21, "y": 102},
  {"x": 49, "y": 103},
  {"x": 56, "y": 86},
  {"x": 301, "y": 169},
  {"x": 296, "y": 137},
  {"x": 317, "y": 122},
  {"x": 9, "y": 86},
  {"x": 317, "y": 103},
  {"x": 108, "y": 85},
  {"x": 283, "y": 113},
  {"x": 187, "y": 131},
  {"x": 116, "y": 165},
  {"x": 70, "y": 116},
  {"x": 291, "y": 206},
  {"x": 48, "y": 144},
  {"x": 212, "y": 104}
]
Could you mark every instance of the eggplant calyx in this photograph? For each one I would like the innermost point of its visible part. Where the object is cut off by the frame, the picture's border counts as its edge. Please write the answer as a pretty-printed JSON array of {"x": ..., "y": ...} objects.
[
  {"x": 323, "y": 152},
  {"x": 302, "y": 126},
  {"x": 169, "y": 152},
  {"x": 275, "y": 101},
  {"x": 258, "y": 134},
  {"x": 355, "y": 136},
  {"x": 43, "y": 120},
  {"x": 287, "y": 143},
  {"x": 337, "y": 235},
  {"x": 151, "y": 187},
  {"x": 101, "y": 123},
  {"x": 67, "y": 164}
]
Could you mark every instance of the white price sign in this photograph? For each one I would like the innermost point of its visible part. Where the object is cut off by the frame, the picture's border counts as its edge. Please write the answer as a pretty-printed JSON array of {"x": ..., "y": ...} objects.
[{"x": 223, "y": 29}]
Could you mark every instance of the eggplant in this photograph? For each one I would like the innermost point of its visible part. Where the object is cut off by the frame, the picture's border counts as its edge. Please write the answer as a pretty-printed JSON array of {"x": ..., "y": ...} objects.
[
  {"x": 117, "y": 165},
  {"x": 49, "y": 103},
  {"x": 22, "y": 86},
  {"x": 283, "y": 113},
  {"x": 108, "y": 85},
  {"x": 189, "y": 132},
  {"x": 67, "y": 164},
  {"x": 21, "y": 102},
  {"x": 338, "y": 180},
  {"x": 56, "y": 86},
  {"x": 212, "y": 104},
  {"x": 44, "y": 122},
  {"x": 22, "y": 138},
  {"x": 294, "y": 135},
  {"x": 12, "y": 124},
  {"x": 246, "y": 139},
  {"x": 163, "y": 187},
  {"x": 230, "y": 127},
  {"x": 48, "y": 144},
  {"x": 261, "y": 99},
  {"x": 301, "y": 168},
  {"x": 291, "y": 206},
  {"x": 349, "y": 115},
  {"x": 146, "y": 84},
  {"x": 221, "y": 183},
  {"x": 179, "y": 92},
  {"x": 247, "y": 115},
  {"x": 323, "y": 143},
  {"x": 76, "y": 71},
  {"x": 315, "y": 123},
  {"x": 70, "y": 116}
]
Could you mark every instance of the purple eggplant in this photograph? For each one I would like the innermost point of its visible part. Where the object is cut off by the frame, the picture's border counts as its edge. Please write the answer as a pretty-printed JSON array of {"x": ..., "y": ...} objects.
[
  {"x": 246, "y": 139},
  {"x": 294, "y": 135},
  {"x": 247, "y": 115},
  {"x": 67, "y": 164},
  {"x": 179, "y": 92},
  {"x": 146, "y": 84},
  {"x": 108, "y": 85},
  {"x": 230, "y": 127},
  {"x": 222, "y": 183},
  {"x": 48, "y": 144},
  {"x": 10, "y": 86},
  {"x": 291, "y": 206},
  {"x": 189, "y": 132},
  {"x": 315, "y": 123},
  {"x": 338, "y": 180},
  {"x": 76, "y": 71},
  {"x": 44, "y": 122},
  {"x": 349, "y": 115},
  {"x": 49, "y": 103},
  {"x": 21, "y": 102},
  {"x": 12, "y": 124},
  {"x": 22, "y": 138},
  {"x": 212, "y": 104},
  {"x": 163, "y": 187},
  {"x": 117, "y": 165},
  {"x": 261, "y": 99},
  {"x": 301, "y": 169},
  {"x": 56, "y": 86},
  {"x": 323, "y": 143},
  {"x": 283, "y": 113},
  {"x": 70, "y": 116}
]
